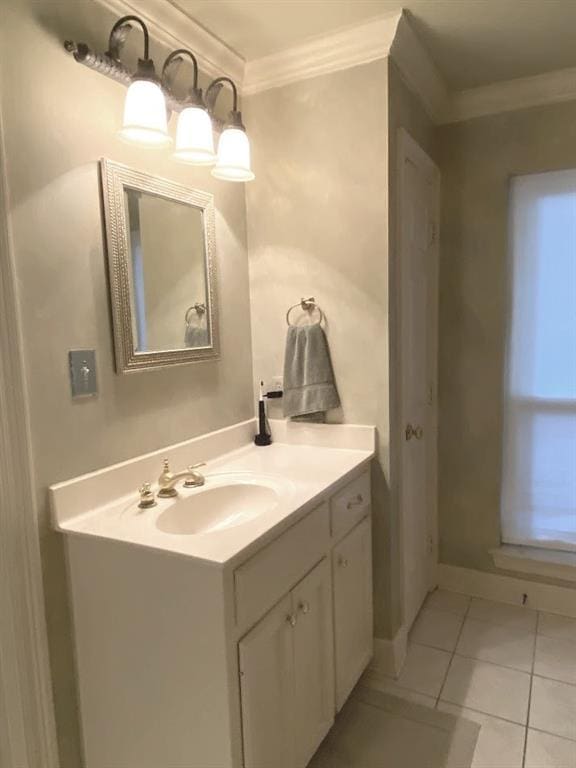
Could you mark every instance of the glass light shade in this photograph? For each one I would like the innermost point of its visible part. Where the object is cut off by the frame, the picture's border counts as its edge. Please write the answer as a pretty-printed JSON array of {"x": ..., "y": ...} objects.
[
  {"x": 233, "y": 163},
  {"x": 194, "y": 139},
  {"x": 145, "y": 120}
]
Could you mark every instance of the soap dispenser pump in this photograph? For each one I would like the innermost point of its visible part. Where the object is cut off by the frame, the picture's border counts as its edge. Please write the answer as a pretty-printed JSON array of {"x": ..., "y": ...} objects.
[{"x": 263, "y": 437}]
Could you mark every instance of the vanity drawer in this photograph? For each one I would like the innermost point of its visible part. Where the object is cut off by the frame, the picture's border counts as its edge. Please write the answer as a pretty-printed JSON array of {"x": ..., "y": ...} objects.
[
  {"x": 272, "y": 572},
  {"x": 350, "y": 505}
]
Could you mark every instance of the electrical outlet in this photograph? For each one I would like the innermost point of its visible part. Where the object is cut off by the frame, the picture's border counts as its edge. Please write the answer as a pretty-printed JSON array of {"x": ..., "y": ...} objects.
[
  {"x": 273, "y": 388},
  {"x": 276, "y": 384}
]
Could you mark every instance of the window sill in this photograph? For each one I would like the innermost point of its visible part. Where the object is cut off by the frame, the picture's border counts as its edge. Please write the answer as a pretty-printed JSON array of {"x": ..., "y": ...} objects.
[{"x": 541, "y": 562}]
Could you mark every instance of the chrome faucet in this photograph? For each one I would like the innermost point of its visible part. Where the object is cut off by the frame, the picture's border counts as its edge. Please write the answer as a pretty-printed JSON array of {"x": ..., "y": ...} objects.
[{"x": 167, "y": 480}]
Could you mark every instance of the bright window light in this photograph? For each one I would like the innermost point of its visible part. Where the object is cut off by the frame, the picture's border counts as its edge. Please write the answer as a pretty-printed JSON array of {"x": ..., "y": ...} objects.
[{"x": 539, "y": 479}]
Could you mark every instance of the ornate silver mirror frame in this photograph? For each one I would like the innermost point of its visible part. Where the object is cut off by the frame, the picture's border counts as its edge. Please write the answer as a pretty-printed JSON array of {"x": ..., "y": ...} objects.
[{"x": 116, "y": 179}]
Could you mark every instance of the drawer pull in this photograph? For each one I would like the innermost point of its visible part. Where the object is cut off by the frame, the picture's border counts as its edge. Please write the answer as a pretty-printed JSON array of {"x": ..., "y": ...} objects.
[
  {"x": 355, "y": 502},
  {"x": 342, "y": 562},
  {"x": 304, "y": 606},
  {"x": 291, "y": 619}
]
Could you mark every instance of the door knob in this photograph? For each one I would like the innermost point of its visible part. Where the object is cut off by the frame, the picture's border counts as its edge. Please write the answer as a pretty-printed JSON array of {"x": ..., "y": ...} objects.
[
  {"x": 416, "y": 432},
  {"x": 291, "y": 619},
  {"x": 304, "y": 606}
]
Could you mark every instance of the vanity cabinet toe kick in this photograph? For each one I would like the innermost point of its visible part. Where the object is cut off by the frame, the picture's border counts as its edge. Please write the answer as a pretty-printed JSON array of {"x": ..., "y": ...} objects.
[{"x": 187, "y": 664}]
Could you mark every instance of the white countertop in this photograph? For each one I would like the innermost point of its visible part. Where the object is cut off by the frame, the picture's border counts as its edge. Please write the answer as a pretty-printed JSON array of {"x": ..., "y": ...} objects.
[{"x": 303, "y": 471}]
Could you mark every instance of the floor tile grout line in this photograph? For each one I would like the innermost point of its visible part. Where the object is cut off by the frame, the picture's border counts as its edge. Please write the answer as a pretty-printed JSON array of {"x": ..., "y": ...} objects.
[
  {"x": 495, "y": 664},
  {"x": 535, "y": 632},
  {"x": 530, "y": 691},
  {"x": 556, "y": 735},
  {"x": 553, "y": 679},
  {"x": 472, "y": 709},
  {"x": 493, "y": 623},
  {"x": 464, "y": 617},
  {"x": 494, "y": 717},
  {"x": 515, "y": 626},
  {"x": 434, "y": 609},
  {"x": 481, "y": 712},
  {"x": 454, "y": 653},
  {"x": 404, "y": 688}
]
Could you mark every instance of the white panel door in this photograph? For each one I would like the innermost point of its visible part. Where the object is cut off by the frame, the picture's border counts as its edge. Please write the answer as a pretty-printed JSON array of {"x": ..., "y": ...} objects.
[
  {"x": 418, "y": 264},
  {"x": 353, "y": 625},
  {"x": 313, "y": 662},
  {"x": 266, "y": 658}
]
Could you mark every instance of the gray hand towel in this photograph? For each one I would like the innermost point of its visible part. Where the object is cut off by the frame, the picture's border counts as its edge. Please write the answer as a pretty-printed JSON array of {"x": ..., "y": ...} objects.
[
  {"x": 196, "y": 336},
  {"x": 309, "y": 386}
]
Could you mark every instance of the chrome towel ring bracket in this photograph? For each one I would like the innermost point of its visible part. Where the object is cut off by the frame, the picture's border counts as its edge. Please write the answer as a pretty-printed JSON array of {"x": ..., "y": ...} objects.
[
  {"x": 200, "y": 310},
  {"x": 307, "y": 305}
]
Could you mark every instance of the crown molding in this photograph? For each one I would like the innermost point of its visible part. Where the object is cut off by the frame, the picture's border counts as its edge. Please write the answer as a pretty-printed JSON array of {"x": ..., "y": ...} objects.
[
  {"x": 375, "y": 39},
  {"x": 345, "y": 48},
  {"x": 419, "y": 71},
  {"x": 510, "y": 95},
  {"x": 175, "y": 29}
]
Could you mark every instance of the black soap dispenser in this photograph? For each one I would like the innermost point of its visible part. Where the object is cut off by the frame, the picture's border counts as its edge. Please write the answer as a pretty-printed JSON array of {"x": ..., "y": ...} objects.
[{"x": 263, "y": 437}]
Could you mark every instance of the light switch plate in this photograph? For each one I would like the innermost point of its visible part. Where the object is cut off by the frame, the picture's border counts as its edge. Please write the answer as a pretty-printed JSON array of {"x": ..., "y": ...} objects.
[{"x": 83, "y": 372}]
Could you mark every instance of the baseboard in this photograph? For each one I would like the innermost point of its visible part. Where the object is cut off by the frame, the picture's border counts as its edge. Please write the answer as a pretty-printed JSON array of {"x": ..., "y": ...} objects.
[
  {"x": 390, "y": 655},
  {"x": 506, "y": 589}
]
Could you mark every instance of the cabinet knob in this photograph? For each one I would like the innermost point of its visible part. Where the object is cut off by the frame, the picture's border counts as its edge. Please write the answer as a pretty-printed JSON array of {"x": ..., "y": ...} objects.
[
  {"x": 359, "y": 499},
  {"x": 291, "y": 619},
  {"x": 304, "y": 606},
  {"x": 342, "y": 562}
]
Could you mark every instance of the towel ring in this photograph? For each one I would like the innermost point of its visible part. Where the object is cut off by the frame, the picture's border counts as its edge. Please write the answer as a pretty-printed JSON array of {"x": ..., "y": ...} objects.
[
  {"x": 308, "y": 305},
  {"x": 200, "y": 310}
]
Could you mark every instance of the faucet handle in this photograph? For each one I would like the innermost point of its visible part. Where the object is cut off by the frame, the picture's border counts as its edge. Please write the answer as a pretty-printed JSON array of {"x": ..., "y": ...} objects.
[
  {"x": 146, "y": 496},
  {"x": 166, "y": 465},
  {"x": 194, "y": 479}
]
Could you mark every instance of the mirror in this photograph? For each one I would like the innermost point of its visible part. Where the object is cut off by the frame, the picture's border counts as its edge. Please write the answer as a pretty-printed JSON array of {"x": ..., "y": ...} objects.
[{"x": 160, "y": 238}]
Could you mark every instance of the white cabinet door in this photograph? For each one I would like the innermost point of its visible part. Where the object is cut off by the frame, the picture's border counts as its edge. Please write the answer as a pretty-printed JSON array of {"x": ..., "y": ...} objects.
[
  {"x": 266, "y": 658},
  {"x": 352, "y": 568},
  {"x": 313, "y": 662}
]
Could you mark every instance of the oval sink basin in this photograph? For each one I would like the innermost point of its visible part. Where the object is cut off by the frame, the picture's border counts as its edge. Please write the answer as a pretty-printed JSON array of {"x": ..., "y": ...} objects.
[{"x": 217, "y": 508}]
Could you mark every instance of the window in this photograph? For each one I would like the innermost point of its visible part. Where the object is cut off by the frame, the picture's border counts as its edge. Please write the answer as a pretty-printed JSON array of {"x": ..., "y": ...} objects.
[{"x": 539, "y": 479}]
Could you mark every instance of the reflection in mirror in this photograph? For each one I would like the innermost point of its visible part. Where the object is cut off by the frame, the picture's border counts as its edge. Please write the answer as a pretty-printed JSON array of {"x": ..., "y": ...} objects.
[{"x": 168, "y": 286}]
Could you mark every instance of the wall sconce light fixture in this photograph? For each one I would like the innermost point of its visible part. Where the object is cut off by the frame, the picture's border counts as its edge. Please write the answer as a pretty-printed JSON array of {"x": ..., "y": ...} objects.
[
  {"x": 150, "y": 98},
  {"x": 145, "y": 120},
  {"x": 233, "y": 162},
  {"x": 194, "y": 139}
]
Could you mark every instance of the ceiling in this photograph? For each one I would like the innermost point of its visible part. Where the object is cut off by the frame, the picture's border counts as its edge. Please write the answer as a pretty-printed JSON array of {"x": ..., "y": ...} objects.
[{"x": 473, "y": 42}]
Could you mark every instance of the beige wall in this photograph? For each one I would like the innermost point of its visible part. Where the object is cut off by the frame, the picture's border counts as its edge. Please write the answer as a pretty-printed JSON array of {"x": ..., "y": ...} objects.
[
  {"x": 317, "y": 216},
  {"x": 477, "y": 159},
  {"x": 59, "y": 119}
]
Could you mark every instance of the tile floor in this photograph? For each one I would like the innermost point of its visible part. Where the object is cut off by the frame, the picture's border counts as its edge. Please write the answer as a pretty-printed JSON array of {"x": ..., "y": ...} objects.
[
  {"x": 376, "y": 730},
  {"x": 510, "y": 669}
]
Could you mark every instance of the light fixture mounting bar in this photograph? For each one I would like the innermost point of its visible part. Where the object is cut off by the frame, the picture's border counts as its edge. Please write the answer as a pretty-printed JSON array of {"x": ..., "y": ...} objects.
[
  {"x": 113, "y": 68},
  {"x": 99, "y": 62}
]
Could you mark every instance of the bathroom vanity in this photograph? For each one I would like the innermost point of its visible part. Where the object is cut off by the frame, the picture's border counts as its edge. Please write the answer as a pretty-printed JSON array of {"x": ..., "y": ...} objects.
[{"x": 225, "y": 627}]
